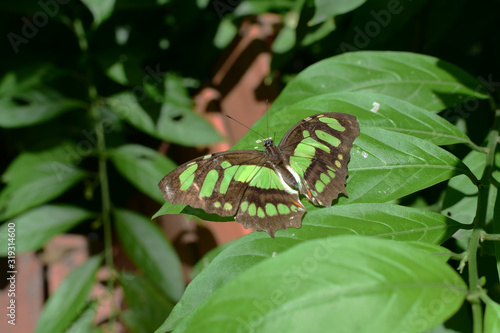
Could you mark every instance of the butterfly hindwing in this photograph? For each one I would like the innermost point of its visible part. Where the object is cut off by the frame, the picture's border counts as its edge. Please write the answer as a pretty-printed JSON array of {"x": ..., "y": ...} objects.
[
  {"x": 269, "y": 203},
  {"x": 318, "y": 150}
]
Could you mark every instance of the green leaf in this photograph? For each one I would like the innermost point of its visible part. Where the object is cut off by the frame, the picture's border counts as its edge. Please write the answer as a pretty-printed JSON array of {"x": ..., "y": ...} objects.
[
  {"x": 143, "y": 167},
  {"x": 285, "y": 41},
  {"x": 492, "y": 317},
  {"x": 496, "y": 229},
  {"x": 207, "y": 259},
  {"x": 425, "y": 81},
  {"x": 84, "y": 324},
  {"x": 375, "y": 220},
  {"x": 35, "y": 227},
  {"x": 177, "y": 122},
  {"x": 29, "y": 102},
  {"x": 325, "y": 9},
  {"x": 100, "y": 9},
  {"x": 148, "y": 248},
  {"x": 325, "y": 283},
  {"x": 371, "y": 109},
  {"x": 148, "y": 305},
  {"x": 386, "y": 166},
  {"x": 169, "y": 208},
  {"x": 69, "y": 299},
  {"x": 460, "y": 200},
  {"x": 315, "y": 34},
  {"x": 36, "y": 178},
  {"x": 226, "y": 31}
]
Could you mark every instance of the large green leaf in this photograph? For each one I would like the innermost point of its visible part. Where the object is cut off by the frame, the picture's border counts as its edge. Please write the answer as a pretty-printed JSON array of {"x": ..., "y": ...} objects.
[
  {"x": 148, "y": 305},
  {"x": 425, "y": 81},
  {"x": 386, "y": 166},
  {"x": 375, "y": 220},
  {"x": 143, "y": 167},
  {"x": 371, "y": 109},
  {"x": 325, "y": 283},
  {"x": 148, "y": 248},
  {"x": 69, "y": 299},
  {"x": 35, "y": 227},
  {"x": 36, "y": 178}
]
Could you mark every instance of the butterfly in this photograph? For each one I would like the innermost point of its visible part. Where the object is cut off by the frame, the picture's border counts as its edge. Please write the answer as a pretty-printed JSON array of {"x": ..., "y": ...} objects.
[{"x": 261, "y": 188}]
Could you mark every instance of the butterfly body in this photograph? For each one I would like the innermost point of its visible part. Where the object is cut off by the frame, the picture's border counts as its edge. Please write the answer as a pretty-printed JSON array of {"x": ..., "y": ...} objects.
[{"x": 261, "y": 188}]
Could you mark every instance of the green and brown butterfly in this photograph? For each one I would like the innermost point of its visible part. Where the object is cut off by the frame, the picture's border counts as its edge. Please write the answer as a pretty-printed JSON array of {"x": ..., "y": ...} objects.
[{"x": 261, "y": 188}]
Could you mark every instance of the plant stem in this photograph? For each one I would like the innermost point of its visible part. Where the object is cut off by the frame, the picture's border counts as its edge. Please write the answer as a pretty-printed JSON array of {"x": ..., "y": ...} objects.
[
  {"x": 478, "y": 229},
  {"x": 102, "y": 169}
]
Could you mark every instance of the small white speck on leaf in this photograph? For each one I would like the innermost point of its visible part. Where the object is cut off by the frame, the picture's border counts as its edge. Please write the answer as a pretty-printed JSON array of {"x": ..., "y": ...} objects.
[
  {"x": 364, "y": 154},
  {"x": 274, "y": 254},
  {"x": 375, "y": 107}
]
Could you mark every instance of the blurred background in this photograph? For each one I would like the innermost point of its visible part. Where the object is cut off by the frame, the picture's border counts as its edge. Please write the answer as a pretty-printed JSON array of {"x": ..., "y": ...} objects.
[{"x": 100, "y": 99}]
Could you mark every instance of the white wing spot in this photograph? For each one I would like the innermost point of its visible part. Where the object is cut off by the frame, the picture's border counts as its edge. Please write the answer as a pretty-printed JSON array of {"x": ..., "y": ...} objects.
[
  {"x": 364, "y": 154},
  {"x": 274, "y": 254},
  {"x": 258, "y": 141},
  {"x": 256, "y": 147},
  {"x": 375, "y": 108},
  {"x": 206, "y": 157}
]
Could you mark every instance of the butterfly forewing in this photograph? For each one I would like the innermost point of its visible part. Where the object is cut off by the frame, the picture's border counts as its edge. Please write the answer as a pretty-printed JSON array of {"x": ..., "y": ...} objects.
[
  {"x": 318, "y": 150},
  {"x": 213, "y": 182},
  {"x": 237, "y": 183}
]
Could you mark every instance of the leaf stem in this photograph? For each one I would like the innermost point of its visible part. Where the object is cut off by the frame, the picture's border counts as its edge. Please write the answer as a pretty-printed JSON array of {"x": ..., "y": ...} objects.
[{"x": 490, "y": 237}]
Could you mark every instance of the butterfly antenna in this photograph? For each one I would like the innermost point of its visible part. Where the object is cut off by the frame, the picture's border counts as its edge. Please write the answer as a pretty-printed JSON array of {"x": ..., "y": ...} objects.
[
  {"x": 244, "y": 126},
  {"x": 267, "y": 116}
]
